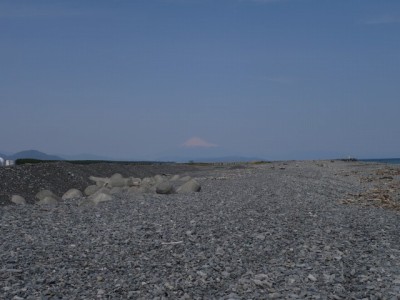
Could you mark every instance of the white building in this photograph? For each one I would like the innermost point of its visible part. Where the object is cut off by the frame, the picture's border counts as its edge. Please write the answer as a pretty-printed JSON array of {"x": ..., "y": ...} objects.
[
  {"x": 9, "y": 162},
  {"x": 6, "y": 162}
]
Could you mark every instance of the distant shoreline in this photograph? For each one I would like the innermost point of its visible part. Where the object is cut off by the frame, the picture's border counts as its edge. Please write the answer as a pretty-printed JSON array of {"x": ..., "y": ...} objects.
[{"x": 395, "y": 161}]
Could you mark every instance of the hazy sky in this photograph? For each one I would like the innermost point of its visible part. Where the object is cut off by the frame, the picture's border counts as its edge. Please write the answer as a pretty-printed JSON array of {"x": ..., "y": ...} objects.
[{"x": 280, "y": 79}]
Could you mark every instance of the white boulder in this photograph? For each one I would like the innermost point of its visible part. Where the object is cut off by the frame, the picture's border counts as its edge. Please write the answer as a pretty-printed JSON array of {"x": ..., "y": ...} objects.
[
  {"x": 117, "y": 180},
  {"x": 164, "y": 188},
  {"x": 91, "y": 189},
  {"x": 72, "y": 193},
  {"x": 46, "y": 193},
  {"x": 48, "y": 200},
  {"x": 17, "y": 199},
  {"x": 189, "y": 187}
]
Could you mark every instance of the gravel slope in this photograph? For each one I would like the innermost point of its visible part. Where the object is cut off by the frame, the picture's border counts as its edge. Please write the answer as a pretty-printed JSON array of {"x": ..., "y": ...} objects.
[
  {"x": 27, "y": 180},
  {"x": 275, "y": 231}
]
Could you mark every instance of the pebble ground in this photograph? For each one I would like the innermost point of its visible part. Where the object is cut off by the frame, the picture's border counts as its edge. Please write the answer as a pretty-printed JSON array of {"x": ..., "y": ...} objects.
[{"x": 271, "y": 231}]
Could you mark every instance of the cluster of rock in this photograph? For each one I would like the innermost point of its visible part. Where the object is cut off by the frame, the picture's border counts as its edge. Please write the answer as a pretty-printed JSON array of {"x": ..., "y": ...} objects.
[{"x": 104, "y": 188}]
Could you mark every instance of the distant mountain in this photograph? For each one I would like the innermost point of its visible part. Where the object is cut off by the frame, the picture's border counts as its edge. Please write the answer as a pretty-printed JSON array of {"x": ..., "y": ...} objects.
[
  {"x": 5, "y": 154},
  {"x": 34, "y": 154}
]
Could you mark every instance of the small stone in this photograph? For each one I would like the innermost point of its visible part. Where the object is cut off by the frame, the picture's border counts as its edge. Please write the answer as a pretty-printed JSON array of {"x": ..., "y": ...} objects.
[
  {"x": 100, "y": 292},
  {"x": 261, "y": 276},
  {"x": 220, "y": 251},
  {"x": 311, "y": 277},
  {"x": 201, "y": 273},
  {"x": 260, "y": 237}
]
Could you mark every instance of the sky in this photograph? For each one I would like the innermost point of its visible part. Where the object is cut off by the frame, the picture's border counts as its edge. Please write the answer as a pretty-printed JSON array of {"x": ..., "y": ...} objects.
[{"x": 141, "y": 79}]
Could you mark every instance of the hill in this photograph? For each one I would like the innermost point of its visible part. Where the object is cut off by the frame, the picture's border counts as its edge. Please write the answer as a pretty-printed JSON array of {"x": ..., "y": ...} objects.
[{"x": 34, "y": 154}]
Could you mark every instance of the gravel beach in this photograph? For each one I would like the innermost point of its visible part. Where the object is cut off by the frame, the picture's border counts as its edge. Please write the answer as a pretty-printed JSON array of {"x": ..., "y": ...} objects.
[{"x": 282, "y": 230}]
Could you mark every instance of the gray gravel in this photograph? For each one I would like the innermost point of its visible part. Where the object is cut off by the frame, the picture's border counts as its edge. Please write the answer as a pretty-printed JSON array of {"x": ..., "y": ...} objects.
[{"x": 274, "y": 231}]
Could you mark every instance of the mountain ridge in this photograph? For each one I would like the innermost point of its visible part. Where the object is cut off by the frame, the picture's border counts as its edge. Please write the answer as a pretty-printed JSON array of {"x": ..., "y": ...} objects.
[{"x": 33, "y": 154}]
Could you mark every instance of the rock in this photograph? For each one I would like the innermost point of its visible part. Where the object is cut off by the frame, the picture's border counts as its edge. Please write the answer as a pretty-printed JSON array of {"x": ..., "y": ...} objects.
[
  {"x": 311, "y": 277},
  {"x": 185, "y": 178},
  {"x": 164, "y": 188},
  {"x": 100, "y": 196},
  {"x": 46, "y": 193},
  {"x": 72, "y": 193},
  {"x": 48, "y": 200},
  {"x": 147, "y": 185},
  {"x": 86, "y": 203},
  {"x": 189, "y": 187},
  {"x": 117, "y": 190},
  {"x": 159, "y": 178},
  {"x": 131, "y": 181},
  {"x": 91, "y": 189},
  {"x": 100, "y": 181},
  {"x": 117, "y": 180},
  {"x": 148, "y": 181},
  {"x": 17, "y": 199},
  {"x": 175, "y": 178},
  {"x": 147, "y": 188}
]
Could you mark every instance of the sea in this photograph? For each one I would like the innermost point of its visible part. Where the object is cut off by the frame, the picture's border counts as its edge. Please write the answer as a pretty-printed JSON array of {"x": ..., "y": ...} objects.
[{"x": 395, "y": 161}]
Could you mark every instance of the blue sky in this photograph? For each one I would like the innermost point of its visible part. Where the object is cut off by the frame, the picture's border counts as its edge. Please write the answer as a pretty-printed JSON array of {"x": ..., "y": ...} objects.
[{"x": 278, "y": 79}]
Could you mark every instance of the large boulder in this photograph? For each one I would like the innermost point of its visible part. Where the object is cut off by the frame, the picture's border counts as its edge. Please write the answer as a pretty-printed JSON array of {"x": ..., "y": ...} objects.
[
  {"x": 17, "y": 199},
  {"x": 46, "y": 193},
  {"x": 148, "y": 181},
  {"x": 99, "y": 197},
  {"x": 175, "y": 178},
  {"x": 91, "y": 189},
  {"x": 164, "y": 188},
  {"x": 117, "y": 180},
  {"x": 102, "y": 195},
  {"x": 189, "y": 187},
  {"x": 132, "y": 181},
  {"x": 48, "y": 200},
  {"x": 185, "y": 178},
  {"x": 72, "y": 193},
  {"x": 159, "y": 178},
  {"x": 100, "y": 181}
]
